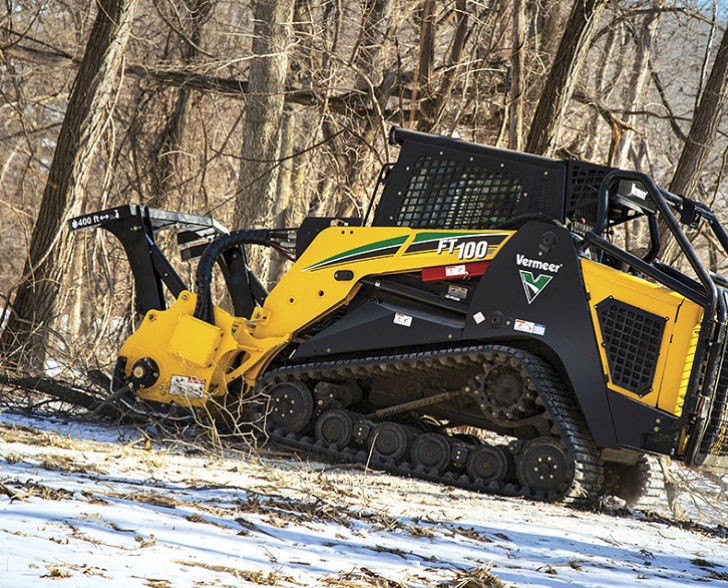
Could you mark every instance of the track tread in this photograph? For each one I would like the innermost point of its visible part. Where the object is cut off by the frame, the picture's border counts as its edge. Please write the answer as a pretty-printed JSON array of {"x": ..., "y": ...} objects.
[{"x": 564, "y": 415}]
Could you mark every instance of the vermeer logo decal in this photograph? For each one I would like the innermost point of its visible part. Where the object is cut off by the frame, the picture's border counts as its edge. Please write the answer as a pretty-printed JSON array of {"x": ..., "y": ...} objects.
[
  {"x": 523, "y": 261},
  {"x": 534, "y": 285}
]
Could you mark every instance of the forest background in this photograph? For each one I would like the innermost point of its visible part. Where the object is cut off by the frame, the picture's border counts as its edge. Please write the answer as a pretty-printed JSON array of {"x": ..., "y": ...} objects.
[{"x": 261, "y": 113}]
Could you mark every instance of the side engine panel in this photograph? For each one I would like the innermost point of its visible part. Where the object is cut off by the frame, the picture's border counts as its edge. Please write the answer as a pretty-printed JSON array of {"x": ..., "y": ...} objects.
[{"x": 647, "y": 336}]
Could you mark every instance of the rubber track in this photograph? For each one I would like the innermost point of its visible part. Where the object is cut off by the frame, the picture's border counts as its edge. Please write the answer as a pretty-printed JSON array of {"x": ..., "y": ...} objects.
[{"x": 565, "y": 419}]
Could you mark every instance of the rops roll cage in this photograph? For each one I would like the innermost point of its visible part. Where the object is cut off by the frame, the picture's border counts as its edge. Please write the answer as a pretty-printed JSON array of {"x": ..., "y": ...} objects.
[{"x": 650, "y": 201}]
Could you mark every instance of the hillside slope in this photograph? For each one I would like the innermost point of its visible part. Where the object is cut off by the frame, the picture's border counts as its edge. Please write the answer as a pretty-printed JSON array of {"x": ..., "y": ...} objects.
[{"x": 87, "y": 505}]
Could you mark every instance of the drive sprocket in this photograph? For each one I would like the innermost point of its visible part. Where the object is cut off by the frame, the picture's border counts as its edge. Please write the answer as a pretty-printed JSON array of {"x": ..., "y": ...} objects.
[{"x": 505, "y": 390}]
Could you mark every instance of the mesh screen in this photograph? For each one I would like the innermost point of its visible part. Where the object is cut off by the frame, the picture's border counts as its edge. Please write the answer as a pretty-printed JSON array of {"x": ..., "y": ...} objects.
[
  {"x": 455, "y": 195},
  {"x": 715, "y": 441},
  {"x": 632, "y": 339},
  {"x": 582, "y": 205}
]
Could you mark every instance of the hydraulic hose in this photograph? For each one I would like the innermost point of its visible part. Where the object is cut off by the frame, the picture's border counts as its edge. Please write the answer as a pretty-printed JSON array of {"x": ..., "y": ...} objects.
[{"x": 203, "y": 279}]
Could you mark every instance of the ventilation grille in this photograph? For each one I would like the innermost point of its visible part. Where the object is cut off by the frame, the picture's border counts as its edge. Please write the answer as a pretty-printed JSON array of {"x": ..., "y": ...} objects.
[
  {"x": 632, "y": 339},
  {"x": 454, "y": 195},
  {"x": 715, "y": 440},
  {"x": 582, "y": 205}
]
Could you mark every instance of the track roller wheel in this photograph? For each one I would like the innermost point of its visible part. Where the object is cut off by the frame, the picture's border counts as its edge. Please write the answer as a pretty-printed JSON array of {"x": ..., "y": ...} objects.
[
  {"x": 291, "y": 406},
  {"x": 545, "y": 469},
  {"x": 335, "y": 427},
  {"x": 431, "y": 451},
  {"x": 490, "y": 464},
  {"x": 390, "y": 441}
]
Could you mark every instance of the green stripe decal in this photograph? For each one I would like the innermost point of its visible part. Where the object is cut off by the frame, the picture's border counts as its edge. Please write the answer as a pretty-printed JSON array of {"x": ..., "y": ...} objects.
[
  {"x": 419, "y": 237},
  {"x": 369, "y": 248}
]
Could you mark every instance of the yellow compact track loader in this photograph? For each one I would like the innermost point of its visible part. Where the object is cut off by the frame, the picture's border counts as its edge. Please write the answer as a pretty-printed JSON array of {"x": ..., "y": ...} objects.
[{"x": 487, "y": 292}]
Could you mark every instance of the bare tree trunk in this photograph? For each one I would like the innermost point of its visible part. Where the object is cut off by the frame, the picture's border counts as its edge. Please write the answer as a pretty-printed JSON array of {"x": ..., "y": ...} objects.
[
  {"x": 543, "y": 135},
  {"x": 549, "y": 25},
  {"x": 425, "y": 63},
  {"x": 371, "y": 44},
  {"x": 706, "y": 118},
  {"x": 704, "y": 126},
  {"x": 432, "y": 108},
  {"x": 377, "y": 82},
  {"x": 74, "y": 294},
  {"x": 263, "y": 112},
  {"x": 591, "y": 138},
  {"x": 515, "y": 93},
  {"x": 23, "y": 341},
  {"x": 299, "y": 190},
  {"x": 282, "y": 208},
  {"x": 640, "y": 71},
  {"x": 165, "y": 156}
]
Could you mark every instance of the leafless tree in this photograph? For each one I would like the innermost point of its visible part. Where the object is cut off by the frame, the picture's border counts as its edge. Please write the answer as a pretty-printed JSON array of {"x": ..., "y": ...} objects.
[
  {"x": 545, "y": 126},
  {"x": 263, "y": 110},
  {"x": 23, "y": 340},
  {"x": 704, "y": 128},
  {"x": 643, "y": 38}
]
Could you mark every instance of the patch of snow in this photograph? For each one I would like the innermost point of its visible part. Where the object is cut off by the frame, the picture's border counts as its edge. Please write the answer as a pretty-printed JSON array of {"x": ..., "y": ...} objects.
[{"x": 87, "y": 505}]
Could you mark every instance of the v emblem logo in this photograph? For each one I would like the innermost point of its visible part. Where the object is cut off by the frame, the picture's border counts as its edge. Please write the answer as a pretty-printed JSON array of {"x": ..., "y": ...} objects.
[{"x": 533, "y": 286}]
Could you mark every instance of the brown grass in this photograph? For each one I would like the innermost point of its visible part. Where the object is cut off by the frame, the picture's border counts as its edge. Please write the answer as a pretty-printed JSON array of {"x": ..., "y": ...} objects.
[
  {"x": 480, "y": 577},
  {"x": 254, "y": 576},
  {"x": 362, "y": 577}
]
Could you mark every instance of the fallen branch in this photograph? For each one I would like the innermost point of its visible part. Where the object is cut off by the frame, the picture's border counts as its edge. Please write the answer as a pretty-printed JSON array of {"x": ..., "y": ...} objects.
[
  {"x": 56, "y": 388},
  {"x": 12, "y": 494}
]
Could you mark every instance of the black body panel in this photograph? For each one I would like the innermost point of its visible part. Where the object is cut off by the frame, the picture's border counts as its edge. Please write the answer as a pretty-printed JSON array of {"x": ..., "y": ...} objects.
[
  {"x": 639, "y": 426},
  {"x": 383, "y": 322},
  {"x": 563, "y": 329}
]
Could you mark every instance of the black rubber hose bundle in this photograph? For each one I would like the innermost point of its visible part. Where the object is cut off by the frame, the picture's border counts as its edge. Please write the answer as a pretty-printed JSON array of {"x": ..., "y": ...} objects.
[{"x": 203, "y": 280}]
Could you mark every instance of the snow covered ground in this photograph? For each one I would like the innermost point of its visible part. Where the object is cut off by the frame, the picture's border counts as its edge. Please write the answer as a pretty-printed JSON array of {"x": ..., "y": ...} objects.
[{"x": 85, "y": 505}]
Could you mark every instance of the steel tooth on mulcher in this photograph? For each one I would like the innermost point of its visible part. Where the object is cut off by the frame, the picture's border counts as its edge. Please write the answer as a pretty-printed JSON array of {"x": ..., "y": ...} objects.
[{"x": 565, "y": 417}]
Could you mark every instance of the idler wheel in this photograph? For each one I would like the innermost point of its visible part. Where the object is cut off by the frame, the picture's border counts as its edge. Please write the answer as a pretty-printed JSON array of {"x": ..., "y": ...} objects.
[
  {"x": 628, "y": 482},
  {"x": 545, "y": 469},
  {"x": 335, "y": 427},
  {"x": 432, "y": 451},
  {"x": 291, "y": 406},
  {"x": 389, "y": 440},
  {"x": 490, "y": 464}
]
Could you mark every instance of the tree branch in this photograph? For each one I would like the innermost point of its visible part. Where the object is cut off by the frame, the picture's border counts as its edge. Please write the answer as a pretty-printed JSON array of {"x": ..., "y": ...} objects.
[
  {"x": 55, "y": 388},
  {"x": 663, "y": 98}
]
